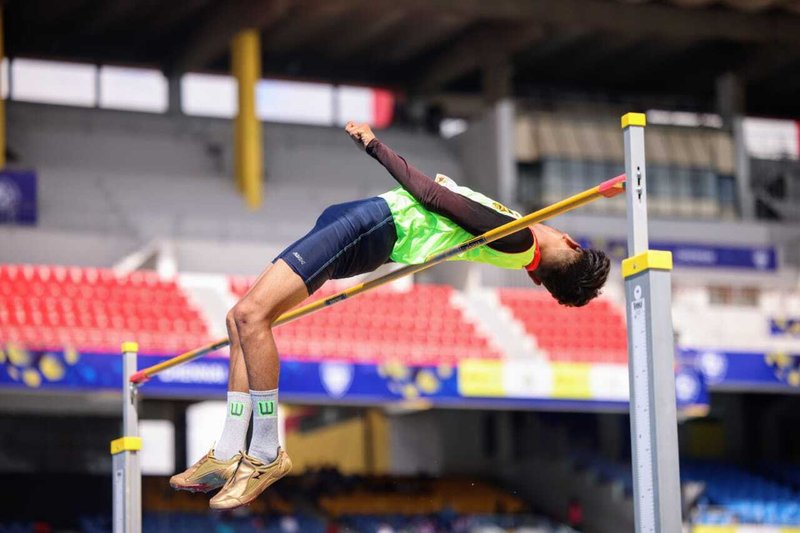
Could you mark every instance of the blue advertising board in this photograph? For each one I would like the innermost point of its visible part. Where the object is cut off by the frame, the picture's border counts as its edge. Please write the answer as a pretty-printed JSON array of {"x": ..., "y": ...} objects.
[
  {"x": 789, "y": 327},
  {"x": 765, "y": 371},
  {"x": 18, "y": 197},
  {"x": 311, "y": 381},
  {"x": 693, "y": 255}
]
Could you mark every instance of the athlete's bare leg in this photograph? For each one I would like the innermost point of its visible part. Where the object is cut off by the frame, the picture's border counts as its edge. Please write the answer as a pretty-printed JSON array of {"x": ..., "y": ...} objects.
[
  {"x": 275, "y": 292},
  {"x": 237, "y": 371}
]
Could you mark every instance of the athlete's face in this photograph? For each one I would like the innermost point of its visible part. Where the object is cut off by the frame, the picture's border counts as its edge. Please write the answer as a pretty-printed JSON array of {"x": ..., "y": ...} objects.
[
  {"x": 570, "y": 245},
  {"x": 562, "y": 249}
]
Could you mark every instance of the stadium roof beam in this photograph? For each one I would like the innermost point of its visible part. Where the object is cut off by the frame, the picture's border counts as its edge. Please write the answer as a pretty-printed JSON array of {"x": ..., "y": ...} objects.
[
  {"x": 766, "y": 62},
  {"x": 212, "y": 38},
  {"x": 110, "y": 14},
  {"x": 316, "y": 20},
  {"x": 429, "y": 32},
  {"x": 371, "y": 26},
  {"x": 172, "y": 14},
  {"x": 647, "y": 20},
  {"x": 594, "y": 57},
  {"x": 473, "y": 51}
]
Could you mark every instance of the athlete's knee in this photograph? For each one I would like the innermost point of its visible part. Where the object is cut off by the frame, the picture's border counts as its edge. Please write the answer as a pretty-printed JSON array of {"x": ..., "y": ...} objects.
[
  {"x": 230, "y": 322},
  {"x": 247, "y": 315}
]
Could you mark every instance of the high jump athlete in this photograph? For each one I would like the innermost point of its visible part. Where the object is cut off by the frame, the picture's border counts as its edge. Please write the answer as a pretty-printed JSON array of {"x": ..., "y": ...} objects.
[{"x": 405, "y": 225}]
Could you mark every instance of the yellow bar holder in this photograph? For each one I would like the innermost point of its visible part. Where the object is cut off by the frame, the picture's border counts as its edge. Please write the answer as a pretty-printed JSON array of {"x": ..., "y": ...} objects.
[
  {"x": 634, "y": 119},
  {"x": 651, "y": 259},
  {"x": 130, "y": 347},
  {"x": 126, "y": 444}
]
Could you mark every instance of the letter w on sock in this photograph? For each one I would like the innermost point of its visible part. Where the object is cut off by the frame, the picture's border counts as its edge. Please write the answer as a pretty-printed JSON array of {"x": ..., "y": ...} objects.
[
  {"x": 266, "y": 408},
  {"x": 237, "y": 409}
]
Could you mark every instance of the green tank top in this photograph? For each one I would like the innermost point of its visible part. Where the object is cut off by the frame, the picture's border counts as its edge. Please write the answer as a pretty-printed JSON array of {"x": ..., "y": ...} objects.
[{"x": 421, "y": 233}]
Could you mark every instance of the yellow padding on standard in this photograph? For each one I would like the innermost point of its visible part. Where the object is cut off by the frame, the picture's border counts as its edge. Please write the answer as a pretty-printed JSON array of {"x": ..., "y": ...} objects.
[
  {"x": 634, "y": 119},
  {"x": 130, "y": 346},
  {"x": 650, "y": 259},
  {"x": 126, "y": 444}
]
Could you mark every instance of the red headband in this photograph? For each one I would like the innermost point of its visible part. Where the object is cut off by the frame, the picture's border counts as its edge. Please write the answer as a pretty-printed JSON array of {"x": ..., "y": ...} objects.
[{"x": 537, "y": 255}]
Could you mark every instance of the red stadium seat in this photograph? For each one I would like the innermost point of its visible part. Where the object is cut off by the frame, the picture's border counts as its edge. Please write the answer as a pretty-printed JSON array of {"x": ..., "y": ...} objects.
[
  {"x": 94, "y": 309},
  {"x": 418, "y": 327},
  {"x": 594, "y": 333}
]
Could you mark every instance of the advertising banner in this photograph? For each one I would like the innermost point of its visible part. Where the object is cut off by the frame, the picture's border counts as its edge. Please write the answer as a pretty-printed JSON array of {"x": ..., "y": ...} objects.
[
  {"x": 757, "y": 258},
  {"x": 473, "y": 383},
  {"x": 18, "y": 197},
  {"x": 773, "y": 371}
]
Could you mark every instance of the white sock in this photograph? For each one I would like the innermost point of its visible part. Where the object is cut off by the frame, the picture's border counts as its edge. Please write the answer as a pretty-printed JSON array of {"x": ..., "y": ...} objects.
[
  {"x": 264, "y": 443},
  {"x": 234, "y": 433}
]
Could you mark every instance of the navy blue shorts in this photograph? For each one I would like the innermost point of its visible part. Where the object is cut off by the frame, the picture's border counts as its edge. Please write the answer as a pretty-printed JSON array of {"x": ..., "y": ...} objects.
[{"x": 348, "y": 239}]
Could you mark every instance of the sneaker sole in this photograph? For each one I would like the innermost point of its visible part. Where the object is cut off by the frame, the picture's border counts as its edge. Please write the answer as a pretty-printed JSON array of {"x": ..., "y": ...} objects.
[
  {"x": 252, "y": 498},
  {"x": 195, "y": 488}
]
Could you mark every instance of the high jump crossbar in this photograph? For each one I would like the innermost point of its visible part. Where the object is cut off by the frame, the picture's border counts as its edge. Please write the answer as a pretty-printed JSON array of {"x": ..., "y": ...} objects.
[{"x": 607, "y": 189}]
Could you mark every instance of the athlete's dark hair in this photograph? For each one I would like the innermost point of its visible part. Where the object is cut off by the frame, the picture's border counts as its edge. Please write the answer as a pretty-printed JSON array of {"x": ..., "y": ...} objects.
[{"x": 576, "y": 283}]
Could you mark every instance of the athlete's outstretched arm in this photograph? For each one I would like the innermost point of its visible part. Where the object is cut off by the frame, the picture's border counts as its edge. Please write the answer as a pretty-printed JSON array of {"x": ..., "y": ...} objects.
[{"x": 474, "y": 217}]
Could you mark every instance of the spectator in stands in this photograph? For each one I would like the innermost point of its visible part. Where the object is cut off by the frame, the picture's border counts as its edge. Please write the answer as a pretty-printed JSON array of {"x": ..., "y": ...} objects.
[
  {"x": 408, "y": 224},
  {"x": 289, "y": 524},
  {"x": 384, "y": 528},
  {"x": 575, "y": 514}
]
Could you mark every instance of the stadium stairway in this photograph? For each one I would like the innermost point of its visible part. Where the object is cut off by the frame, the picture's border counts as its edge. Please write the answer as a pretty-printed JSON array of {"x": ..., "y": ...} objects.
[
  {"x": 211, "y": 298},
  {"x": 499, "y": 323}
]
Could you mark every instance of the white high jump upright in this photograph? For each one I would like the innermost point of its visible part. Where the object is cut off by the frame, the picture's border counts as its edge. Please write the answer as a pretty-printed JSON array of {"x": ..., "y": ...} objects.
[
  {"x": 126, "y": 474},
  {"x": 651, "y": 357}
]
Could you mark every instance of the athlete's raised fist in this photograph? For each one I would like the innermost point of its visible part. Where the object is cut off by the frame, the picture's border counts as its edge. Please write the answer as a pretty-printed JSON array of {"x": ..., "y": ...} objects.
[{"x": 360, "y": 133}]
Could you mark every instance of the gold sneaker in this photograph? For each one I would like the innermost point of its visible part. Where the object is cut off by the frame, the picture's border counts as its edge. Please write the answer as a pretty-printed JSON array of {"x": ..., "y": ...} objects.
[
  {"x": 207, "y": 474},
  {"x": 251, "y": 479}
]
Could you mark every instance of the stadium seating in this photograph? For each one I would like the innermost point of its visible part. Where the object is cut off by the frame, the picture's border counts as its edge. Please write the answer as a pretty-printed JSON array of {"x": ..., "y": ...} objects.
[
  {"x": 731, "y": 494},
  {"x": 451, "y": 522},
  {"x": 734, "y": 495},
  {"x": 594, "y": 333},
  {"x": 191, "y": 523},
  {"x": 92, "y": 309},
  {"x": 418, "y": 326},
  {"x": 783, "y": 473},
  {"x": 182, "y": 522},
  {"x": 607, "y": 471},
  {"x": 331, "y": 501},
  {"x": 417, "y": 496}
]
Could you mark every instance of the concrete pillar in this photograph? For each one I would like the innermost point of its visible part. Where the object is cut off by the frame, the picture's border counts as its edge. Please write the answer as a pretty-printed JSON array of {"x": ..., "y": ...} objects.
[
  {"x": 507, "y": 178},
  {"x": 611, "y": 434},
  {"x": 498, "y": 77},
  {"x": 730, "y": 96},
  {"x": 505, "y": 437},
  {"x": 174, "y": 100}
]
